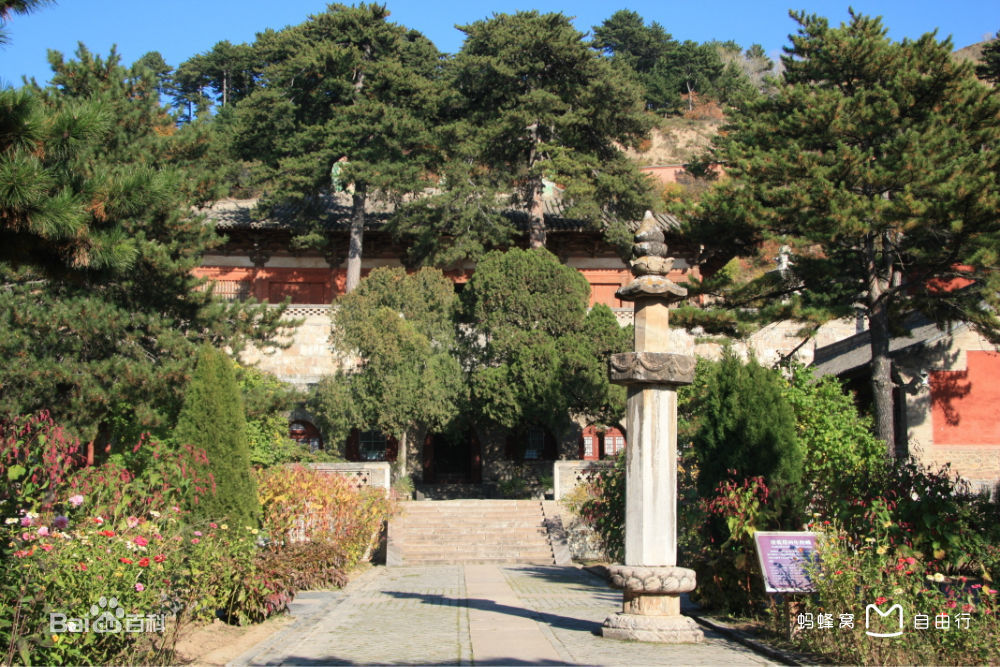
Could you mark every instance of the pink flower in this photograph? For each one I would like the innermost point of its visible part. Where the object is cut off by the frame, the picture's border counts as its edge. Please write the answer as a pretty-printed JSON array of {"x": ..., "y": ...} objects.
[
  {"x": 60, "y": 522},
  {"x": 212, "y": 525},
  {"x": 43, "y": 531},
  {"x": 198, "y": 533},
  {"x": 25, "y": 521},
  {"x": 951, "y": 604},
  {"x": 76, "y": 500},
  {"x": 82, "y": 567},
  {"x": 195, "y": 540},
  {"x": 975, "y": 586},
  {"x": 132, "y": 522},
  {"x": 140, "y": 588},
  {"x": 46, "y": 547},
  {"x": 967, "y": 608},
  {"x": 140, "y": 541}
]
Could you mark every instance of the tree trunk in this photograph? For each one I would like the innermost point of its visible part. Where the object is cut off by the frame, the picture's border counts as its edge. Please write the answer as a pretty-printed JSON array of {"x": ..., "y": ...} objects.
[
  {"x": 536, "y": 220},
  {"x": 401, "y": 457},
  {"x": 355, "y": 241},
  {"x": 879, "y": 345}
]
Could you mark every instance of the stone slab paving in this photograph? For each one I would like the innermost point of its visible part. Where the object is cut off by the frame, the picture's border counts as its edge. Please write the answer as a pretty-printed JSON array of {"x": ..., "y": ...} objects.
[{"x": 472, "y": 615}]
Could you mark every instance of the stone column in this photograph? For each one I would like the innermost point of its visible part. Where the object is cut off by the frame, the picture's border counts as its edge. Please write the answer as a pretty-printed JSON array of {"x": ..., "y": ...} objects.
[{"x": 650, "y": 578}]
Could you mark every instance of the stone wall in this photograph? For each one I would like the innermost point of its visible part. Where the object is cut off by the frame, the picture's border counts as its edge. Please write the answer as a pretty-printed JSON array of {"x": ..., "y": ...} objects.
[
  {"x": 952, "y": 406},
  {"x": 308, "y": 357}
]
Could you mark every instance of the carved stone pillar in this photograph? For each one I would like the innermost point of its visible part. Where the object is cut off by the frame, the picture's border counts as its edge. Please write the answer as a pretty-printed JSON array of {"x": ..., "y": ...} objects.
[{"x": 650, "y": 579}]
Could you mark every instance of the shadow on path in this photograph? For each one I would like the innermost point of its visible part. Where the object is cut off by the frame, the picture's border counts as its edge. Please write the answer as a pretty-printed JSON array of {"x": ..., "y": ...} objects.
[
  {"x": 553, "y": 620},
  {"x": 332, "y": 660}
]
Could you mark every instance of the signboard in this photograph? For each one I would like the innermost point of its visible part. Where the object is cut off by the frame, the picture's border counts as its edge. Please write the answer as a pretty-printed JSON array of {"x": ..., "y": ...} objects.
[{"x": 783, "y": 557}]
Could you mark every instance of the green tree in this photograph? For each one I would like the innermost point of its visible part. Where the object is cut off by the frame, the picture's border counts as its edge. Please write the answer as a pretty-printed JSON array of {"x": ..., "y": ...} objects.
[
  {"x": 212, "y": 419},
  {"x": 400, "y": 329},
  {"x": 8, "y": 7},
  {"x": 836, "y": 439},
  {"x": 877, "y": 162},
  {"x": 537, "y": 105},
  {"x": 534, "y": 351},
  {"x": 745, "y": 427},
  {"x": 100, "y": 314},
  {"x": 346, "y": 96},
  {"x": 989, "y": 67},
  {"x": 228, "y": 70}
]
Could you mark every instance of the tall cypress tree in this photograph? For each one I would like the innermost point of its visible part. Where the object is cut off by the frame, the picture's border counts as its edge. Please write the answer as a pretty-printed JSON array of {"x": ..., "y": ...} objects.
[
  {"x": 213, "y": 419},
  {"x": 877, "y": 162}
]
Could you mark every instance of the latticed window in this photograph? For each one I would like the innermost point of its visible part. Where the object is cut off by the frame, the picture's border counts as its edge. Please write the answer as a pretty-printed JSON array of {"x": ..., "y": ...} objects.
[
  {"x": 588, "y": 446},
  {"x": 535, "y": 443},
  {"x": 372, "y": 446}
]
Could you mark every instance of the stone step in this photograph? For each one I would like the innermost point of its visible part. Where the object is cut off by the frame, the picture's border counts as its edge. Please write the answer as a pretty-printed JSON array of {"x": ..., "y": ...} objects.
[{"x": 469, "y": 531}]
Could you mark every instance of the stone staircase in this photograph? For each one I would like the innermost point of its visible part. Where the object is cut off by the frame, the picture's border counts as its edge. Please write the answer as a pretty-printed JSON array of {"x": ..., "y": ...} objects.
[{"x": 429, "y": 532}]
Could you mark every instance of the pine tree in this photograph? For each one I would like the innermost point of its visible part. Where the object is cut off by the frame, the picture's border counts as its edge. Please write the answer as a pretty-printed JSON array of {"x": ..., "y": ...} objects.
[
  {"x": 346, "y": 92},
  {"x": 877, "y": 162},
  {"x": 213, "y": 419},
  {"x": 538, "y": 105},
  {"x": 100, "y": 312}
]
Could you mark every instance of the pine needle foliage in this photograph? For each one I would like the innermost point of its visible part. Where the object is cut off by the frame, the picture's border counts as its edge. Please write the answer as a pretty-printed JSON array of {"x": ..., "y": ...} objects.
[{"x": 876, "y": 162}]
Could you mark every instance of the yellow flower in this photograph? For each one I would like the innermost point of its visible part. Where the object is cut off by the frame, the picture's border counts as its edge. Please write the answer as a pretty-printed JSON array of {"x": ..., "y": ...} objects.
[
  {"x": 939, "y": 577},
  {"x": 56, "y": 638},
  {"x": 881, "y": 550},
  {"x": 887, "y": 523},
  {"x": 224, "y": 526},
  {"x": 870, "y": 539},
  {"x": 254, "y": 531}
]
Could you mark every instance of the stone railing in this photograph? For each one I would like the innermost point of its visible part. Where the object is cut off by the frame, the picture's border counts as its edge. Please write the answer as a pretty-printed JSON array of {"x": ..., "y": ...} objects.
[
  {"x": 567, "y": 475},
  {"x": 624, "y": 316},
  {"x": 358, "y": 474},
  {"x": 295, "y": 311}
]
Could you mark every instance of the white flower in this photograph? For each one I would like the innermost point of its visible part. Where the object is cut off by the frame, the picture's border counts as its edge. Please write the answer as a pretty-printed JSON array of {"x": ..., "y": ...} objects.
[{"x": 11, "y": 520}]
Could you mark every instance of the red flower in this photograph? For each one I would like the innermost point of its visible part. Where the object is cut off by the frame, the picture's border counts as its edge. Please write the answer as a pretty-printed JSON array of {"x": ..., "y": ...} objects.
[
  {"x": 46, "y": 547},
  {"x": 951, "y": 604},
  {"x": 141, "y": 541},
  {"x": 159, "y": 558},
  {"x": 127, "y": 561},
  {"x": 839, "y": 572},
  {"x": 82, "y": 567},
  {"x": 967, "y": 608},
  {"x": 143, "y": 562},
  {"x": 107, "y": 533},
  {"x": 881, "y": 600}
]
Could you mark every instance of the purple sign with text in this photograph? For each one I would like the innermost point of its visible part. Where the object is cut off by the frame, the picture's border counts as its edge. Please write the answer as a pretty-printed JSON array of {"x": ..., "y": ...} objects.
[{"x": 783, "y": 557}]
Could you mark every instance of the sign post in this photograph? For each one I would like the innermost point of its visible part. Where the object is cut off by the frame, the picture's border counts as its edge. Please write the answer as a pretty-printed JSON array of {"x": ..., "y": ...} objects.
[{"x": 784, "y": 557}]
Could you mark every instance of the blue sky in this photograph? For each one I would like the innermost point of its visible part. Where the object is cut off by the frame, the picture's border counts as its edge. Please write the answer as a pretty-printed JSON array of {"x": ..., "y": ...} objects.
[{"x": 183, "y": 28}]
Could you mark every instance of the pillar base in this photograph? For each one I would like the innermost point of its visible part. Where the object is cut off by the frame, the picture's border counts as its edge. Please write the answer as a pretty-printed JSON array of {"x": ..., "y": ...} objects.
[{"x": 660, "y": 629}]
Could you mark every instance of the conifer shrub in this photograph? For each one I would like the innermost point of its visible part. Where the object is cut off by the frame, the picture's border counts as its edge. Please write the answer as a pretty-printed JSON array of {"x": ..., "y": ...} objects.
[
  {"x": 213, "y": 420},
  {"x": 746, "y": 428}
]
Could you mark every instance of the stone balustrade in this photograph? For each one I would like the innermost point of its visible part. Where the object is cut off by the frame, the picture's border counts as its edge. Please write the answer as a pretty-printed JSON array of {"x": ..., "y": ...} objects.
[
  {"x": 359, "y": 474},
  {"x": 567, "y": 475}
]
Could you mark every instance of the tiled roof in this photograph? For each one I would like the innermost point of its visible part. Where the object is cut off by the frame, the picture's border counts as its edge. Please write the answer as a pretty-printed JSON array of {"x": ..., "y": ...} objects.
[
  {"x": 231, "y": 214},
  {"x": 855, "y": 352}
]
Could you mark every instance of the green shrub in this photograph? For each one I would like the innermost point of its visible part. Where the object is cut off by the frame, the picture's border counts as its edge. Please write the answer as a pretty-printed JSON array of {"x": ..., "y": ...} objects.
[
  {"x": 747, "y": 429},
  {"x": 213, "y": 419}
]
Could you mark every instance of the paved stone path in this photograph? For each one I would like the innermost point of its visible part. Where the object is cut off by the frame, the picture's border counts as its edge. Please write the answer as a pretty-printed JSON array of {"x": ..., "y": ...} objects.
[{"x": 472, "y": 615}]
